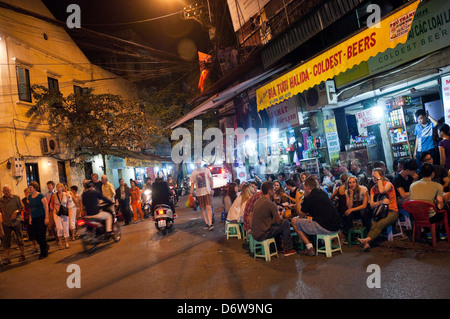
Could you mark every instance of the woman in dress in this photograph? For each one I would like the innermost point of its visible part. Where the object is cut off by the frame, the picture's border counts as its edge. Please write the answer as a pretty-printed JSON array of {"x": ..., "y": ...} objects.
[{"x": 38, "y": 217}]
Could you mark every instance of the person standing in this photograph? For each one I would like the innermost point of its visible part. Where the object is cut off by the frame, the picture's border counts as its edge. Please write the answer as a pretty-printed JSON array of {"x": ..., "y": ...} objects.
[
  {"x": 202, "y": 182},
  {"x": 11, "y": 206},
  {"x": 76, "y": 210},
  {"x": 444, "y": 146},
  {"x": 97, "y": 184},
  {"x": 39, "y": 217},
  {"x": 108, "y": 189},
  {"x": 123, "y": 198},
  {"x": 61, "y": 198},
  {"x": 136, "y": 201},
  {"x": 26, "y": 219},
  {"x": 48, "y": 195},
  {"x": 424, "y": 135}
]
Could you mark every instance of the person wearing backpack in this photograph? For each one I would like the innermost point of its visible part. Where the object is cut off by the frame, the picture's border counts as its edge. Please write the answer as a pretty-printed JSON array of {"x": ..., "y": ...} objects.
[{"x": 383, "y": 201}]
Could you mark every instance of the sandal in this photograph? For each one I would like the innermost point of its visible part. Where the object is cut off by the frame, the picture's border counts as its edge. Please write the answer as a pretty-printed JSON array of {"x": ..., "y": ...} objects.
[{"x": 21, "y": 258}]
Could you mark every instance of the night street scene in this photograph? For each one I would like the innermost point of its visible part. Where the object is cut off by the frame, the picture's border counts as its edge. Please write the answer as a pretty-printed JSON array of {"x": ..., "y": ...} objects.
[{"x": 224, "y": 158}]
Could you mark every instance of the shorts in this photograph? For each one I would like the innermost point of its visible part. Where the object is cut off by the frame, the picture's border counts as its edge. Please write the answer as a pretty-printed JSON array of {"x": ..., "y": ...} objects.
[
  {"x": 310, "y": 227},
  {"x": 204, "y": 201}
]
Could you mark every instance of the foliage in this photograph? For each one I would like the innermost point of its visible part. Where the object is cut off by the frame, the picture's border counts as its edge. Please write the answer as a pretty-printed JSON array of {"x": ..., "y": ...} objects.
[{"x": 98, "y": 122}]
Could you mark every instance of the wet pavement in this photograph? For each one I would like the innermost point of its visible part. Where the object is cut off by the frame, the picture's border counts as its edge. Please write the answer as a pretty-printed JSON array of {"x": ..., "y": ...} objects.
[{"x": 193, "y": 263}]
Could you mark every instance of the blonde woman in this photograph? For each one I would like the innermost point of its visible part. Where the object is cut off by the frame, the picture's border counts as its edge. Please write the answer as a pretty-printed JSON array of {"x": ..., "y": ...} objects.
[
  {"x": 58, "y": 199},
  {"x": 236, "y": 211},
  {"x": 357, "y": 199}
]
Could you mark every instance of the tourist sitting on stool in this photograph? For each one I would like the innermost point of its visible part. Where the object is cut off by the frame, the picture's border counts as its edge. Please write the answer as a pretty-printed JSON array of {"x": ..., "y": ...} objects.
[
  {"x": 383, "y": 187},
  {"x": 267, "y": 222},
  {"x": 357, "y": 199},
  {"x": 324, "y": 216}
]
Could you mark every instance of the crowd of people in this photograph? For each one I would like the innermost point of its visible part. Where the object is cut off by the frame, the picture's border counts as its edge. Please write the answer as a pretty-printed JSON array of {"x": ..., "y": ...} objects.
[
  {"x": 345, "y": 197},
  {"x": 56, "y": 211}
]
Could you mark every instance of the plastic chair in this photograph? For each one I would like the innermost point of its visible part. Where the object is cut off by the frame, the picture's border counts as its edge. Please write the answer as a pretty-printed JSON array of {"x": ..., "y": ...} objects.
[
  {"x": 264, "y": 248},
  {"x": 420, "y": 211},
  {"x": 328, "y": 249},
  {"x": 232, "y": 230}
]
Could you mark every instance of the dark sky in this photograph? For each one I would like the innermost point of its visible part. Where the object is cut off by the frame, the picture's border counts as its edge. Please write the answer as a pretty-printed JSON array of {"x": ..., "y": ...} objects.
[{"x": 164, "y": 34}]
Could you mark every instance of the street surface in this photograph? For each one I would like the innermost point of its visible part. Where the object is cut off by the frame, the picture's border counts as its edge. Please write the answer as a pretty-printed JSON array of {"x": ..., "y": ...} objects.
[{"x": 192, "y": 263}]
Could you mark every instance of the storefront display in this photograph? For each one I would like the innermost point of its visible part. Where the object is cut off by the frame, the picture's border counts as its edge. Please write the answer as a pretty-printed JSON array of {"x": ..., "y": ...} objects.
[{"x": 400, "y": 122}]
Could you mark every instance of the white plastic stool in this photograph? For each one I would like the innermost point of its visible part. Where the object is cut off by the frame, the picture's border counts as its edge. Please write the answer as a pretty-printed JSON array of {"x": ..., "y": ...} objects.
[
  {"x": 328, "y": 249},
  {"x": 229, "y": 227},
  {"x": 264, "y": 247},
  {"x": 390, "y": 232}
]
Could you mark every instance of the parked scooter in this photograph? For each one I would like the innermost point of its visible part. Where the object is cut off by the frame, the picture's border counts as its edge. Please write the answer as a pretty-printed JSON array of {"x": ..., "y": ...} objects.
[
  {"x": 93, "y": 230},
  {"x": 186, "y": 186},
  {"x": 163, "y": 218},
  {"x": 146, "y": 202}
]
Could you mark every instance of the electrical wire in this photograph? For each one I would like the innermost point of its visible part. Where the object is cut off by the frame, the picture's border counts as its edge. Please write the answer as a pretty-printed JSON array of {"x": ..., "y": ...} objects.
[{"x": 134, "y": 22}]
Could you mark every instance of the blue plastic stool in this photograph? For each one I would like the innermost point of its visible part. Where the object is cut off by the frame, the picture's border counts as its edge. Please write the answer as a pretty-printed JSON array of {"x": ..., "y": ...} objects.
[{"x": 223, "y": 217}]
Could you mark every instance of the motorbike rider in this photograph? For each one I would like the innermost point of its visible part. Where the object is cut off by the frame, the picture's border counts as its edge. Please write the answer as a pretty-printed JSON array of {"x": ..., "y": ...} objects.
[
  {"x": 171, "y": 182},
  {"x": 90, "y": 199},
  {"x": 161, "y": 194}
]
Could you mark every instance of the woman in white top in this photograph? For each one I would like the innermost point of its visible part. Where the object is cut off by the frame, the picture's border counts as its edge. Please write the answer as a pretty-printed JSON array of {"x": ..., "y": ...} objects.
[
  {"x": 357, "y": 200},
  {"x": 58, "y": 199},
  {"x": 236, "y": 212}
]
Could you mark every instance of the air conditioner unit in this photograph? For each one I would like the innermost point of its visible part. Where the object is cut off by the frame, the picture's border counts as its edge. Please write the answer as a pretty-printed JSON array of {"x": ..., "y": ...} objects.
[
  {"x": 17, "y": 167},
  {"x": 321, "y": 95},
  {"x": 50, "y": 145}
]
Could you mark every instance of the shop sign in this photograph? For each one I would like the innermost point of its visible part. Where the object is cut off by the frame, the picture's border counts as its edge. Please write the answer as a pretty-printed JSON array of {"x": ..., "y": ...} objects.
[
  {"x": 116, "y": 162},
  {"x": 430, "y": 31},
  {"x": 134, "y": 162},
  {"x": 445, "y": 80},
  {"x": 367, "y": 118},
  {"x": 368, "y": 43},
  {"x": 283, "y": 115},
  {"x": 332, "y": 138}
]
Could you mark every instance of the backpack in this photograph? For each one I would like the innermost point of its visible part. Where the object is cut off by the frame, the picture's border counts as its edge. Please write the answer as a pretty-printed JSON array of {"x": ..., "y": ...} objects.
[{"x": 382, "y": 210}]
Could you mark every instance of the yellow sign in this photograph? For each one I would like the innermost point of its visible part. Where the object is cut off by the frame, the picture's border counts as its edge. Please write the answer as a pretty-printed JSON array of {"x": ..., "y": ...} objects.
[
  {"x": 134, "y": 162},
  {"x": 368, "y": 43}
]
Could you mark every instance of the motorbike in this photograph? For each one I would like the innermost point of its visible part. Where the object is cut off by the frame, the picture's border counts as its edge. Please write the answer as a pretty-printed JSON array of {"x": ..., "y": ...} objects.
[
  {"x": 93, "y": 231},
  {"x": 173, "y": 194},
  {"x": 146, "y": 201},
  {"x": 185, "y": 186},
  {"x": 163, "y": 218}
]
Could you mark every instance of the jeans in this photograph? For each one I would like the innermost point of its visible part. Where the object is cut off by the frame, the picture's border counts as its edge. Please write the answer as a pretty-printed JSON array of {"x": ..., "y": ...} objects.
[{"x": 281, "y": 232}]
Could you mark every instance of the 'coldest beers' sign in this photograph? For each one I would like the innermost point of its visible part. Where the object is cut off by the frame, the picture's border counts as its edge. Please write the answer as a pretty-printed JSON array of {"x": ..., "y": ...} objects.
[{"x": 386, "y": 34}]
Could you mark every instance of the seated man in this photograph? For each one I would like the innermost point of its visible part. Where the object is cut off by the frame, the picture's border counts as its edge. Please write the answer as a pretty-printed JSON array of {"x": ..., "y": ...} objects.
[
  {"x": 403, "y": 180},
  {"x": 267, "y": 222},
  {"x": 427, "y": 190},
  {"x": 325, "y": 218}
]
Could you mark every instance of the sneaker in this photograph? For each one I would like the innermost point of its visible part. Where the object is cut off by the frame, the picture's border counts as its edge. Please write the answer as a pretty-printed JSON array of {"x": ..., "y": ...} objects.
[
  {"x": 289, "y": 252},
  {"x": 309, "y": 252},
  {"x": 442, "y": 236},
  {"x": 429, "y": 235},
  {"x": 211, "y": 228},
  {"x": 206, "y": 227}
]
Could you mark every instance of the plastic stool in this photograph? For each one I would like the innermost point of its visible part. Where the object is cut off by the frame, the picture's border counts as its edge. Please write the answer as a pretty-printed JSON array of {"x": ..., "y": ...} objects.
[
  {"x": 390, "y": 233},
  {"x": 404, "y": 215},
  {"x": 264, "y": 247},
  {"x": 250, "y": 241},
  {"x": 223, "y": 217},
  {"x": 296, "y": 241},
  {"x": 362, "y": 233},
  {"x": 232, "y": 230},
  {"x": 328, "y": 249}
]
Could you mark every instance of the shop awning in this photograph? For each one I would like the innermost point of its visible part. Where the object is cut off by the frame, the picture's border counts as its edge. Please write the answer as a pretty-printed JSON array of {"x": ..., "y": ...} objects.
[
  {"x": 368, "y": 43},
  {"x": 226, "y": 95}
]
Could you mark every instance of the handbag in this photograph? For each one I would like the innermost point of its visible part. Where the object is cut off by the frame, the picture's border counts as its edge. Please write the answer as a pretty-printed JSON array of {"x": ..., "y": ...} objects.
[
  {"x": 382, "y": 210},
  {"x": 16, "y": 222},
  {"x": 63, "y": 210}
]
